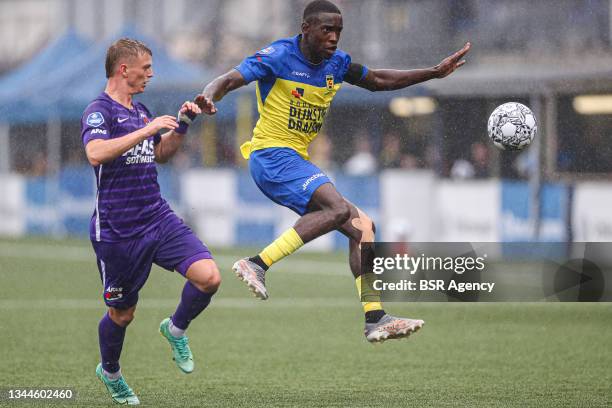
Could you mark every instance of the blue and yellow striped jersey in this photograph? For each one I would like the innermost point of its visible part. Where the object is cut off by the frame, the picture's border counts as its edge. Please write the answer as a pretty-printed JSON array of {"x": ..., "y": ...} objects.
[{"x": 293, "y": 95}]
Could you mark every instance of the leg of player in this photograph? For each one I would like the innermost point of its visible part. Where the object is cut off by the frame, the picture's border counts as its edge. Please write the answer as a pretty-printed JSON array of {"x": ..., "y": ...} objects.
[
  {"x": 379, "y": 326},
  {"x": 203, "y": 280},
  {"x": 111, "y": 332},
  {"x": 330, "y": 211}
]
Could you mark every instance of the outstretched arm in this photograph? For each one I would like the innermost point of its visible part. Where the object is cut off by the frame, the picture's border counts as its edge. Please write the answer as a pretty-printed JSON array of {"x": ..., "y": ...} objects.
[
  {"x": 391, "y": 79},
  {"x": 217, "y": 89}
]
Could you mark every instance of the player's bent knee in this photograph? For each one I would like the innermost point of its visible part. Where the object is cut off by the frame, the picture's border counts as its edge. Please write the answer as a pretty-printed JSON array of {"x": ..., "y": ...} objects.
[
  {"x": 214, "y": 280},
  {"x": 342, "y": 213},
  {"x": 204, "y": 275},
  {"x": 122, "y": 317}
]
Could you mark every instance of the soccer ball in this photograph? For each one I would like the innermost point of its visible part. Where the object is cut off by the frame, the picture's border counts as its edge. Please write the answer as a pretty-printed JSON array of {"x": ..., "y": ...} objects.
[{"x": 512, "y": 126}]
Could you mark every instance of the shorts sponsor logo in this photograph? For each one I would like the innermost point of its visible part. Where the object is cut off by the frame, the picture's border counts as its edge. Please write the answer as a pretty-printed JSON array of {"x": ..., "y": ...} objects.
[
  {"x": 95, "y": 119},
  {"x": 111, "y": 293},
  {"x": 311, "y": 179}
]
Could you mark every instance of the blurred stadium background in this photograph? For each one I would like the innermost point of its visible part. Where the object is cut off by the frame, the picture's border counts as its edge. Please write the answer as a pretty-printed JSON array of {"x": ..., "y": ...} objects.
[{"x": 418, "y": 159}]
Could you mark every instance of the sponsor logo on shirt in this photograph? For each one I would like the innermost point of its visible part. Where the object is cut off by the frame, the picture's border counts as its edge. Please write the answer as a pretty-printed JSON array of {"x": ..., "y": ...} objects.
[
  {"x": 121, "y": 120},
  {"x": 143, "y": 152},
  {"x": 98, "y": 131},
  {"x": 298, "y": 92},
  {"x": 95, "y": 119},
  {"x": 301, "y": 74},
  {"x": 304, "y": 117}
]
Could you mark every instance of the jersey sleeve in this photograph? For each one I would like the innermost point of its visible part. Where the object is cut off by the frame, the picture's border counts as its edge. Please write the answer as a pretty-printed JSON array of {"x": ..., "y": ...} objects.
[
  {"x": 96, "y": 122},
  {"x": 352, "y": 72},
  {"x": 265, "y": 63}
]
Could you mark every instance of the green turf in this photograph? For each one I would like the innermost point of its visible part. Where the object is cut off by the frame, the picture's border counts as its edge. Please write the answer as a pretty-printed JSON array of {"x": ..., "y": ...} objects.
[{"x": 302, "y": 347}]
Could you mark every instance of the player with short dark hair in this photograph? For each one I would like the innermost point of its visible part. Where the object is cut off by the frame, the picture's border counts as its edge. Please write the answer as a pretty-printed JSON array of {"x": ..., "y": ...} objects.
[
  {"x": 297, "y": 79},
  {"x": 313, "y": 8},
  {"x": 132, "y": 226}
]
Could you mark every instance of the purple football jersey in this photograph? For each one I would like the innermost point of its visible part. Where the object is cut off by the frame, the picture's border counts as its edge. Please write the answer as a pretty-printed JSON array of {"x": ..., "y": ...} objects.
[{"x": 128, "y": 200}]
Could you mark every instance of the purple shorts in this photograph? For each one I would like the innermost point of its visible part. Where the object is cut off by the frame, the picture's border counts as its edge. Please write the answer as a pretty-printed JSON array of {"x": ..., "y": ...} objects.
[{"x": 124, "y": 266}]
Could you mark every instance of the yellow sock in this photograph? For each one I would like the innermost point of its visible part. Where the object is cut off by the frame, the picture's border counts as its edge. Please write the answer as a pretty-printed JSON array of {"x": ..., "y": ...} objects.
[
  {"x": 370, "y": 297},
  {"x": 286, "y": 244}
]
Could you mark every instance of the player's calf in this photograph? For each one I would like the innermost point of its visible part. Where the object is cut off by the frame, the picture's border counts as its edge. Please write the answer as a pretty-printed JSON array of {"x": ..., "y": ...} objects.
[{"x": 193, "y": 302}]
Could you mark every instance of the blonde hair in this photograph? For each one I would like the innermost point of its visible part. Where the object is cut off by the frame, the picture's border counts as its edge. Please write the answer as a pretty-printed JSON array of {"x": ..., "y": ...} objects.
[{"x": 121, "y": 49}]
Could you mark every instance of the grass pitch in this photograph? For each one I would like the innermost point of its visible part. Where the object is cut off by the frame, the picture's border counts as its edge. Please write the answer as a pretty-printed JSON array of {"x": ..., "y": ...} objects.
[{"x": 302, "y": 347}]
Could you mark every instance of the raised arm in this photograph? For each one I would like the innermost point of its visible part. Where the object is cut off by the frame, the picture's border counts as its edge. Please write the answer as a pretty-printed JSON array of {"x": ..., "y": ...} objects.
[
  {"x": 391, "y": 79},
  {"x": 217, "y": 89}
]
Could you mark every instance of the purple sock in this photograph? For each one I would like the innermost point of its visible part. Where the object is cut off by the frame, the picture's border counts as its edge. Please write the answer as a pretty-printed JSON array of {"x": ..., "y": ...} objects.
[
  {"x": 111, "y": 342},
  {"x": 193, "y": 301}
]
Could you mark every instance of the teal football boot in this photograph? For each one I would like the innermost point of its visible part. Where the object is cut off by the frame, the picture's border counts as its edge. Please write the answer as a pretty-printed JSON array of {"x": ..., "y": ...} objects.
[
  {"x": 120, "y": 392},
  {"x": 181, "y": 352}
]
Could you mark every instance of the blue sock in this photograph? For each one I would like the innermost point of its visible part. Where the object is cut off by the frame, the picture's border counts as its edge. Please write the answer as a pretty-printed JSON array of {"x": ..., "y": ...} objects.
[
  {"x": 193, "y": 301},
  {"x": 111, "y": 337}
]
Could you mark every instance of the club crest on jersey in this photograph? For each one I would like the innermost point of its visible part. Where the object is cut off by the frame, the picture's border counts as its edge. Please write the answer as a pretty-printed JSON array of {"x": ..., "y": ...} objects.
[
  {"x": 298, "y": 92},
  {"x": 145, "y": 119},
  {"x": 95, "y": 119},
  {"x": 329, "y": 81}
]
